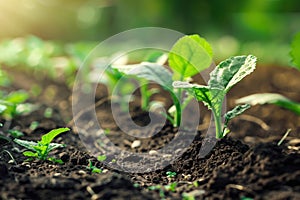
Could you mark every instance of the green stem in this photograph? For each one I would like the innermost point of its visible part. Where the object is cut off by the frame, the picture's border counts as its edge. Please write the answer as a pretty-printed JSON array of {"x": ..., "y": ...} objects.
[
  {"x": 176, "y": 100},
  {"x": 177, "y": 116},
  {"x": 218, "y": 124},
  {"x": 144, "y": 95}
]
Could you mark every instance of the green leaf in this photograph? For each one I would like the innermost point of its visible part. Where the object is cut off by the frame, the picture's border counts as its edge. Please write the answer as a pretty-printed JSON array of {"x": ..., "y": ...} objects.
[
  {"x": 295, "y": 51},
  {"x": 200, "y": 92},
  {"x": 101, "y": 158},
  {"x": 15, "y": 133},
  {"x": 271, "y": 98},
  {"x": 27, "y": 144},
  {"x": 30, "y": 154},
  {"x": 59, "y": 161},
  {"x": 17, "y": 97},
  {"x": 239, "y": 109},
  {"x": 96, "y": 170},
  {"x": 52, "y": 146},
  {"x": 231, "y": 71},
  {"x": 151, "y": 72},
  {"x": 47, "y": 138},
  {"x": 190, "y": 55}
]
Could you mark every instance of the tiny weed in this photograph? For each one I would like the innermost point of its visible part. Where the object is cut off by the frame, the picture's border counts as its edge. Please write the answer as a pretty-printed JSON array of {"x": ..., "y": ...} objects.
[
  {"x": 42, "y": 148},
  {"x": 93, "y": 168},
  {"x": 101, "y": 158},
  {"x": 171, "y": 174}
]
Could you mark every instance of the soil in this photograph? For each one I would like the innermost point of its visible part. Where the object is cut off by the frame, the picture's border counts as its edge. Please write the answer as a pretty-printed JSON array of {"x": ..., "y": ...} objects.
[{"x": 248, "y": 163}]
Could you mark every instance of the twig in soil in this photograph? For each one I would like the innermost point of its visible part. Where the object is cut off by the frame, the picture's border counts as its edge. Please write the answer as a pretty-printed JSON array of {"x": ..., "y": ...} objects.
[
  {"x": 255, "y": 120},
  {"x": 241, "y": 188},
  {"x": 284, "y": 137},
  {"x": 98, "y": 103}
]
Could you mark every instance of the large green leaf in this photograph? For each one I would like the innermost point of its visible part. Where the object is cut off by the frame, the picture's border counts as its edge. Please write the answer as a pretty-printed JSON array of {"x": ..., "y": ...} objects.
[
  {"x": 151, "y": 72},
  {"x": 271, "y": 98},
  {"x": 295, "y": 51},
  {"x": 190, "y": 55},
  {"x": 47, "y": 138},
  {"x": 231, "y": 71}
]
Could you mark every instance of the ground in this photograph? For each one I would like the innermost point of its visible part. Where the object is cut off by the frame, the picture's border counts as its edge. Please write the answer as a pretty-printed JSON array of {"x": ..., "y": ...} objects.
[{"x": 248, "y": 163}]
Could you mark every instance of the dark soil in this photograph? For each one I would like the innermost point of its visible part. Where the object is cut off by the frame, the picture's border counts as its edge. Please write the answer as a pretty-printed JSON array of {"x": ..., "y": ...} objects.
[{"x": 247, "y": 163}]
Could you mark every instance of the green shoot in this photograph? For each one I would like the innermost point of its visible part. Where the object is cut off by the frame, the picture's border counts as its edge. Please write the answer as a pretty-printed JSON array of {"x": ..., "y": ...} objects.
[
  {"x": 222, "y": 79},
  {"x": 42, "y": 148},
  {"x": 13, "y": 104},
  {"x": 15, "y": 133},
  {"x": 101, "y": 158},
  {"x": 93, "y": 168},
  {"x": 171, "y": 174}
]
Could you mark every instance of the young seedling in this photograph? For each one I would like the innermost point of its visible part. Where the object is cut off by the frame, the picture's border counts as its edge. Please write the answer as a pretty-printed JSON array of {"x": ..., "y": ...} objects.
[
  {"x": 42, "y": 148},
  {"x": 222, "y": 79},
  {"x": 189, "y": 55},
  {"x": 171, "y": 174},
  {"x": 101, "y": 158},
  {"x": 93, "y": 168}
]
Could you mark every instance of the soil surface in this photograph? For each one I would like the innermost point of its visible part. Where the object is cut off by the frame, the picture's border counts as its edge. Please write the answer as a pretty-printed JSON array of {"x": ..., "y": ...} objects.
[{"x": 248, "y": 163}]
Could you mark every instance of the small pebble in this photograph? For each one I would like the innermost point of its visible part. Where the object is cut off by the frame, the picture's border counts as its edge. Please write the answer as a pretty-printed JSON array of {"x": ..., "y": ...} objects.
[
  {"x": 81, "y": 172},
  {"x": 135, "y": 144},
  {"x": 153, "y": 152},
  {"x": 56, "y": 174}
]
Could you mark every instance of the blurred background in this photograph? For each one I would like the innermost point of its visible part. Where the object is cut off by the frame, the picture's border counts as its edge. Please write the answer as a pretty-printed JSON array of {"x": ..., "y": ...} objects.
[{"x": 232, "y": 27}]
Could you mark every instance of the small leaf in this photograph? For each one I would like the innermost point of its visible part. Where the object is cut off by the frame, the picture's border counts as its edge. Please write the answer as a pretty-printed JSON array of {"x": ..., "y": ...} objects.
[
  {"x": 231, "y": 71},
  {"x": 96, "y": 170},
  {"x": 47, "y": 138},
  {"x": 15, "y": 133},
  {"x": 200, "y": 92},
  {"x": 295, "y": 51},
  {"x": 17, "y": 97},
  {"x": 52, "y": 146},
  {"x": 30, "y": 154},
  {"x": 27, "y": 144},
  {"x": 239, "y": 109},
  {"x": 190, "y": 55},
  {"x": 271, "y": 98},
  {"x": 101, "y": 158},
  {"x": 59, "y": 161}
]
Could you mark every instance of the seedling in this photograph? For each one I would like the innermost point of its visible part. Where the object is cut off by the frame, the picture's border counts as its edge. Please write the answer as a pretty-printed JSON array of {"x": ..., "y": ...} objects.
[
  {"x": 12, "y": 104},
  {"x": 161, "y": 188},
  {"x": 222, "y": 79},
  {"x": 15, "y": 133},
  {"x": 171, "y": 174},
  {"x": 42, "y": 148},
  {"x": 189, "y": 55},
  {"x": 101, "y": 158},
  {"x": 93, "y": 168}
]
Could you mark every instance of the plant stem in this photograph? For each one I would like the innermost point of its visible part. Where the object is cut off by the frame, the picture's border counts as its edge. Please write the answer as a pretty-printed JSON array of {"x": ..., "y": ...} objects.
[
  {"x": 144, "y": 95},
  {"x": 218, "y": 124},
  {"x": 177, "y": 116}
]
